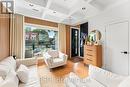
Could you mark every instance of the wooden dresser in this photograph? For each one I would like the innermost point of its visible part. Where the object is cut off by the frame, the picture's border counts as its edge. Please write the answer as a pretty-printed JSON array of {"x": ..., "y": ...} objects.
[{"x": 93, "y": 55}]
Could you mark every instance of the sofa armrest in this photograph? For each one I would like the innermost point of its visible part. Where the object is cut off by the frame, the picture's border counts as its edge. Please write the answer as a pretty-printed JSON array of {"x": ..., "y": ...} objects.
[
  {"x": 106, "y": 78},
  {"x": 68, "y": 83},
  {"x": 27, "y": 62}
]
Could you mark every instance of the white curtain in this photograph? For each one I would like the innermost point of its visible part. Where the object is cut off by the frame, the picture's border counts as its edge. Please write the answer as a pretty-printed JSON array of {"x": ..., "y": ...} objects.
[
  {"x": 17, "y": 36},
  {"x": 62, "y": 37}
]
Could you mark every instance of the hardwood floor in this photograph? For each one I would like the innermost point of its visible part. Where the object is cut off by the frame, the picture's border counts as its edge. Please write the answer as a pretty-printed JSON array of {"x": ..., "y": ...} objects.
[{"x": 55, "y": 77}]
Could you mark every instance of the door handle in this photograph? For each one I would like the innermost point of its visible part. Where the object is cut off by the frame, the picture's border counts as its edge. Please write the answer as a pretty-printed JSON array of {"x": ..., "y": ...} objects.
[{"x": 125, "y": 52}]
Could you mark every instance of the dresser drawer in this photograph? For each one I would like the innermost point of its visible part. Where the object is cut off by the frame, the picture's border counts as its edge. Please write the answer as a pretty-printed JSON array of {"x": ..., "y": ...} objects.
[
  {"x": 89, "y": 61},
  {"x": 90, "y": 58},
  {"x": 90, "y": 53},
  {"x": 90, "y": 47},
  {"x": 93, "y": 55}
]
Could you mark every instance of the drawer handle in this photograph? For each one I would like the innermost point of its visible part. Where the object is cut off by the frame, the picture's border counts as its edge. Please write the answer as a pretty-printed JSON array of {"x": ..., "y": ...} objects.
[
  {"x": 89, "y": 59},
  {"x": 89, "y": 55},
  {"x": 89, "y": 50}
]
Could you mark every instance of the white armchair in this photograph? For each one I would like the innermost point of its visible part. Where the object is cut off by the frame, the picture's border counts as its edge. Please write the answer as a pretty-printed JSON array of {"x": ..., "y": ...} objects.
[{"x": 55, "y": 58}]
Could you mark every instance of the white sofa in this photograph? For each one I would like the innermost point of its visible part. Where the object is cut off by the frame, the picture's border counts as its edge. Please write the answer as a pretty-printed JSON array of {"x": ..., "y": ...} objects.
[
  {"x": 97, "y": 78},
  {"x": 55, "y": 58},
  {"x": 8, "y": 68}
]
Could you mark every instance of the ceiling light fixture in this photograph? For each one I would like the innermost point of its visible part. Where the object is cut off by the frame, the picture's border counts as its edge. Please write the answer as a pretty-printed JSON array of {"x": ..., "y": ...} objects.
[
  {"x": 54, "y": 12},
  {"x": 83, "y": 8},
  {"x": 35, "y": 9},
  {"x": 31, "y": 5},
  {"x": 85, "y": 0}
]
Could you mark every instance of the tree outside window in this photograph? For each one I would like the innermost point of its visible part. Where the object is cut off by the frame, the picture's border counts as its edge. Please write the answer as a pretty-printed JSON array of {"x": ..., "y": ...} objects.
[{"x": 40, "y": 40}]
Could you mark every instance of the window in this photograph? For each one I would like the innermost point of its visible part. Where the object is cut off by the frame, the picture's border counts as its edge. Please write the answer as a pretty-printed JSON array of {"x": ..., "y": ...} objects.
[{"x": 39, "y": 40}]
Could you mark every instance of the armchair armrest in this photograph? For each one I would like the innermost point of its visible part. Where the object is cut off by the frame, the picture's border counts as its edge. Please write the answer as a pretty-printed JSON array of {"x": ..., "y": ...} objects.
[
  {"x": 27, "y": 62},
  {"x": 48, "y": 59},
  {"x": 62, "y": 55}
]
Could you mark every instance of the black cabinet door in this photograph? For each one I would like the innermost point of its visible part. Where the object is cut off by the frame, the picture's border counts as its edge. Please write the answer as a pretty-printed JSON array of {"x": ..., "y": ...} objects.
[{"x": 74, "y": 42}]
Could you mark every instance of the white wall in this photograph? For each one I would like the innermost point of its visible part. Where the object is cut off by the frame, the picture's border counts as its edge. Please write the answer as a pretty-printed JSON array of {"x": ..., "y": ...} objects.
[{"x": 99, "y": 22}]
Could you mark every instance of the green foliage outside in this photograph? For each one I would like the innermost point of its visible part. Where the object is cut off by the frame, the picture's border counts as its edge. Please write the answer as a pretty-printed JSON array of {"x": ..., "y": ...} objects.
[{"x": 43, "y": 41}]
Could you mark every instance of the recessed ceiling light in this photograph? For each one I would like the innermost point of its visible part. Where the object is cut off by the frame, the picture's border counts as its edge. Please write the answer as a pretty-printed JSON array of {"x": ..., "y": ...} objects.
[
  {"x": 31, "y": 5},
  {"x": 35, "y": 9},
  {"x": 85, "y": 0},
  {"x": 83, "y": 8},
  {"x": 54, "y": 12},
  {"x": 70, "y": 17}
]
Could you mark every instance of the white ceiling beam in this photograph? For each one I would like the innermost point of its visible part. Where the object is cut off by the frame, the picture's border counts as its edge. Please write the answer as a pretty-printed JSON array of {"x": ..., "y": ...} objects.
[
  {"x": 46, "y": 8},
  {"x": 116, "y": 4},
  {"x": 49, "y": 3},
  {"x": 77, "y": 7}
]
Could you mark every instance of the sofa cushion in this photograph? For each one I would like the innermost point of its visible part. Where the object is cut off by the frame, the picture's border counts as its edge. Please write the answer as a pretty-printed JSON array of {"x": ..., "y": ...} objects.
[
  {"x": 125, "y": 83},
  {"x": 11, "y": 80},
  {"x": 9, "y": 61},
  {"x": 33, "y": 80},
  {"x": 106, "y": 78},
  {"x": 58, "y": 60},
  {"x": 7, "y": 65},
  {"x": 4, "y": 70},
  {"x": 23, "y": 73},
  {"x": 53, "y": 53}
]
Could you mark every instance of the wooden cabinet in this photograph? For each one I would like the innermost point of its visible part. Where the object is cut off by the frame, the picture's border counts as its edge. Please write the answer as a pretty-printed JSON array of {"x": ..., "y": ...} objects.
[{"x": 93, "y": 55}]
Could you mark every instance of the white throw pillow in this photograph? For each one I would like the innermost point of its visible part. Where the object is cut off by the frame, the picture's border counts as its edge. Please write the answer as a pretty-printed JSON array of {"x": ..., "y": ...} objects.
[
  {"x": 1, "y": 80},
  {"x": 125, "y": 83},
  {"x": 6, "y": 65},
  {"x": 4, "y": 70},
  {"x": 11, "y": 80},
  {"x": 23, "y": 73},
  {"x": 10, "y": 62},
  {"x": 54, "y": 53}
]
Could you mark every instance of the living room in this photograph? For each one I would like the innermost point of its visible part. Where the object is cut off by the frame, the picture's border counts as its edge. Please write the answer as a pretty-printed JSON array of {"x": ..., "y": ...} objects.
[{"x": 66, "y": 43}]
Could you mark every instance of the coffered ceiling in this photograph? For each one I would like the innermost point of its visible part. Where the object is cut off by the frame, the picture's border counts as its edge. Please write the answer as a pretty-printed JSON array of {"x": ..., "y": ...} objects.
[{"x": 69, "y": 12}]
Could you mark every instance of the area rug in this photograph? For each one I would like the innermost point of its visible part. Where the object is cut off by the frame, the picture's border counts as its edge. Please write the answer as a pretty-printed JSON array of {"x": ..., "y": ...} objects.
[
  {"x": 76, "y": 59},
  {"x": 55, "y": 77}
]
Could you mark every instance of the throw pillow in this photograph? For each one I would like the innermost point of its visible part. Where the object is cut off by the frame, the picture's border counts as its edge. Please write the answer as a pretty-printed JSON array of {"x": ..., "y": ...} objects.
[
  {"x": 54, "y": 53},
  {"x": 11, "y": 80},
  {"x": 125, "y": 83},
  {"x": 23, "y": 73},
  {"x": 4, "y": 70},
  {"x": 7, "y": 65},
  {"x": 1, "y": 80}
]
